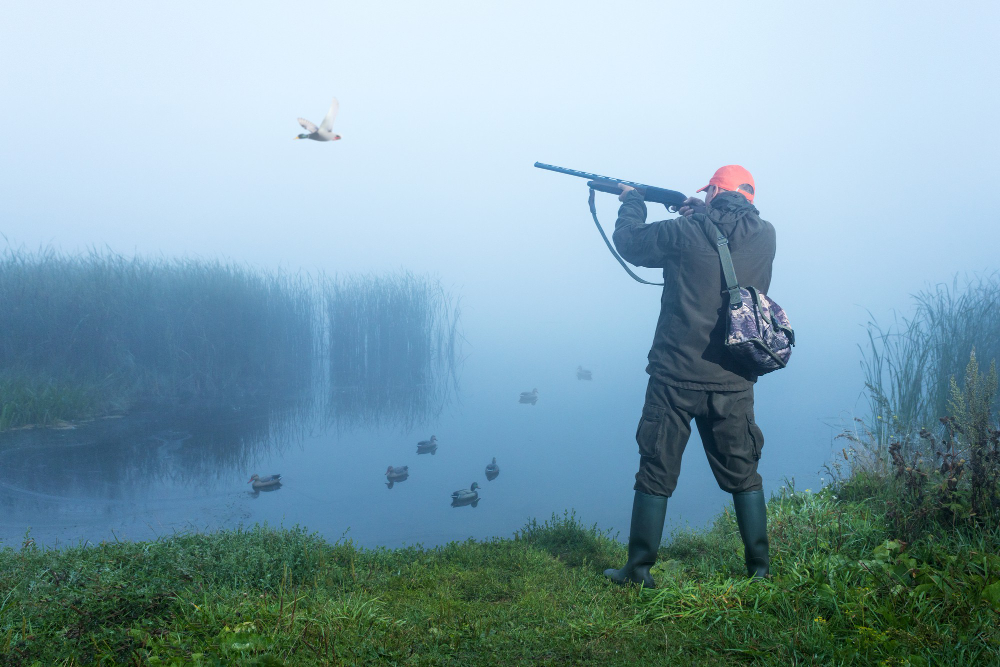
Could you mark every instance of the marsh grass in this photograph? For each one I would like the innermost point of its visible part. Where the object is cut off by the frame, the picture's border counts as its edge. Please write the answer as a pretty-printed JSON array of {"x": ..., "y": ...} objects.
[
  {"x": 119, "y": 330},
  {"x": 845, "y": 591},
  {"x": 909, "y": 364}
]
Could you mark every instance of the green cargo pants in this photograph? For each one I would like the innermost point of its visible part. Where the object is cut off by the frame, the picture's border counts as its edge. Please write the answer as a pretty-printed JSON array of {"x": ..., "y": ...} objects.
[{"x": 725, "y": 421}]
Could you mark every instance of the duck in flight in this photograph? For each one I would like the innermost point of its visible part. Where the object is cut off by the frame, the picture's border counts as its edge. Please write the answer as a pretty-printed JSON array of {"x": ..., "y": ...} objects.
[{"x": 325, "y": 130}]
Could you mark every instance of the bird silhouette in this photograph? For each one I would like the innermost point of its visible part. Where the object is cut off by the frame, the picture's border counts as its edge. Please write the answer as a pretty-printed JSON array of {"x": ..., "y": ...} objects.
[{"x": 324, "y": 131}]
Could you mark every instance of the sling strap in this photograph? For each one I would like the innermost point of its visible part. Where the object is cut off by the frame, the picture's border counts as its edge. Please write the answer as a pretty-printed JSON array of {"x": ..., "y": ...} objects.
[{"x": 593, "y": 212}]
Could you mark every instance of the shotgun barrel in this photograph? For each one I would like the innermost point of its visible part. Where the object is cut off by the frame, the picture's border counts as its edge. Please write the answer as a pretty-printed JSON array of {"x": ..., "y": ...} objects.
[{"x": 669, "y": 198}]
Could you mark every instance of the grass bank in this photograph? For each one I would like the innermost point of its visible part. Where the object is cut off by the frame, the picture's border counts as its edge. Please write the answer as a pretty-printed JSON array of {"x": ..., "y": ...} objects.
[{"x": 845, "y": 591}]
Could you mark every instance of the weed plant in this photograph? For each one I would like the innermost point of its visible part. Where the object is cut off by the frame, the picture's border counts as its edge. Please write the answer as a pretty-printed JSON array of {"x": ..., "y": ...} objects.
[
  {"x": 97, "y": 333},
  {"x": 952, "y": 482},
  {"x": 909, "y": 365}
]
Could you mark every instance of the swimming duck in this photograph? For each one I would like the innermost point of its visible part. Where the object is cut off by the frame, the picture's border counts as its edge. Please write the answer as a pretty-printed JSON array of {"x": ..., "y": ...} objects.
[
  {"x": 583, "y": 374},
  {"x": 264, "y": 482},
  {"x": 397, "y": 474},
  {"x": 427, "y": 446},
  {"x": 492, "y": 470},
  {"x": 529, "y": 396},
  {"x": 468, "y": 494}
]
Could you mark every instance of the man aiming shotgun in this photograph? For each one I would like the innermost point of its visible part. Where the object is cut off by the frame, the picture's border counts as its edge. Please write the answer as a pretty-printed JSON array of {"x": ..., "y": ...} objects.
[{"x": 691, "y": 374}]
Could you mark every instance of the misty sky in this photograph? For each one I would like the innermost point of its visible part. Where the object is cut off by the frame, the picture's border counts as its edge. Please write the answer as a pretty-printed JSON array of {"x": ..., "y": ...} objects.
[{"x": 871, "y": 130}]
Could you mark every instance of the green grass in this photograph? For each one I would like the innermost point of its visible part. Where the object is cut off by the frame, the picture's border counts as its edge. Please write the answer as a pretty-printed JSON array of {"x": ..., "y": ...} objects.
[
  {"x": 28, "y": 400},
  {"x": 844, "y": 592}
]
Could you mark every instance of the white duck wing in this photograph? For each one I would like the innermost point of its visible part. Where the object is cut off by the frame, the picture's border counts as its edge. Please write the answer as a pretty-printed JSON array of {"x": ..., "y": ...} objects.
[
  {"x": 327, "y": 123},
  {"x": 308, "y": 125}
]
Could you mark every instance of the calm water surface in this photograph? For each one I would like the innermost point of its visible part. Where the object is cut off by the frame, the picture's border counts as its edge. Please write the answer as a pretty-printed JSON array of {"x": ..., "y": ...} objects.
[{"x": 155, "y": 474}]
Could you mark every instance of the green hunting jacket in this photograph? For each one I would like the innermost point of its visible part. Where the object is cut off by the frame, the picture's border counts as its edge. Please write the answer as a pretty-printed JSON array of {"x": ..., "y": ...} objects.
[{"x": 688, "y": 350}]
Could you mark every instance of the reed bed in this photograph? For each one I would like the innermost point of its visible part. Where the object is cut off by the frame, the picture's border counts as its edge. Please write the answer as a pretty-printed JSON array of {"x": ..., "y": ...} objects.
[
  {"x": 392, "y": 344},
  {"x": 88, "y": 335},
  {"x": 95, "y": 333},
  {"x": 909, "y": 364}
]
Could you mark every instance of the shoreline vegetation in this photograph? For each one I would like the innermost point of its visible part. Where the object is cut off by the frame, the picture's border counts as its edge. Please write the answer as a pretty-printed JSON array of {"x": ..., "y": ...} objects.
[
  {"x": 846, "y": 590},
  {"x": 96, "y": 335}
]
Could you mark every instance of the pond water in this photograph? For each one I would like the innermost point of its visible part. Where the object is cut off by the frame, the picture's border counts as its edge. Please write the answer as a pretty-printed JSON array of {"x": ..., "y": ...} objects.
[{"x": 153, "y": 474}]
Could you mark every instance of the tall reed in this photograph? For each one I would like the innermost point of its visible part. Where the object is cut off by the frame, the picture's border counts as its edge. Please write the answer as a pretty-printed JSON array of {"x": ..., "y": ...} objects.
[
  {"x": 392, "y": 344},
  {"x": 909, "y": 364},
  {"x": 149, "y": 329}
]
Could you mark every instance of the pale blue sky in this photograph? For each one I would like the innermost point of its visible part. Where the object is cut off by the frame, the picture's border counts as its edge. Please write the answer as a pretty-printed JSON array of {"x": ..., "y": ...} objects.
[{"x": 167, "y": 129}]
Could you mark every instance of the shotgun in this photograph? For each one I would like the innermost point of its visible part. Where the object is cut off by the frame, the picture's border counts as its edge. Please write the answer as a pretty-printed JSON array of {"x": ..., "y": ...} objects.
[{"x": 669, "y": 198}]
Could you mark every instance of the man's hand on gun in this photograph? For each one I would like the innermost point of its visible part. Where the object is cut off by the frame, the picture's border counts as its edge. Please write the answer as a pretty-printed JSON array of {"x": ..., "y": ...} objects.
[{"x": 690, "y": 205}]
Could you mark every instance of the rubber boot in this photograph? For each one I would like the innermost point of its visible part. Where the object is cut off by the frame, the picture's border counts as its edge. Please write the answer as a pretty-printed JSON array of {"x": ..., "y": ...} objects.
[
  {"x": 751, "y": 516},
  {"x": 645, "y": 533}
]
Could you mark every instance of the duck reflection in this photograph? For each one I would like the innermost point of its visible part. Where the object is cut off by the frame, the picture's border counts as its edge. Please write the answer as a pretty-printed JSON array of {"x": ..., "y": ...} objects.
[{"x": 264, "y": 489}]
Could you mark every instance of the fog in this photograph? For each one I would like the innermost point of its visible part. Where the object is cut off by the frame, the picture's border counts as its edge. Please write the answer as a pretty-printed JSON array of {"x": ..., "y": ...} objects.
[{"x": 870, "y": 129}]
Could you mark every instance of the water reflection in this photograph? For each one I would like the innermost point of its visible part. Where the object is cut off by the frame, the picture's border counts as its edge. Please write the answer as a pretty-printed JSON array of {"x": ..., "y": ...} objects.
[
  {"x": 264, "y": 489},
  {"x": 110, "y": 466},
  {"x": 392, "y": 344}
]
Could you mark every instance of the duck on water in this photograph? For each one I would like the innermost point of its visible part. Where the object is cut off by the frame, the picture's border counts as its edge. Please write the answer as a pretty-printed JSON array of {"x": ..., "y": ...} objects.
[
  {"x": 427, "y": 446},
  {"x": 268, "y": 482},
  {"x": 467, "y": 496}
]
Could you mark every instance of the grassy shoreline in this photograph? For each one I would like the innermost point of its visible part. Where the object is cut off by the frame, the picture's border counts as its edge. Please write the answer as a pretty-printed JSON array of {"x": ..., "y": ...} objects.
[{"x": 844, "y": 592}]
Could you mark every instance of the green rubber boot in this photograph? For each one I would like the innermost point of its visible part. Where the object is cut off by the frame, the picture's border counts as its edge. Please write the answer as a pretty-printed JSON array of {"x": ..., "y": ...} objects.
[
  {"x": 751, "y": 516},
  {"x": 645, "y": 533}
]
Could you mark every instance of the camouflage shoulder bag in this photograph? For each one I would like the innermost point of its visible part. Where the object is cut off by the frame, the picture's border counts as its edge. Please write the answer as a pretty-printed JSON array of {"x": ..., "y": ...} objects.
[{"x": 758, "y": 333}]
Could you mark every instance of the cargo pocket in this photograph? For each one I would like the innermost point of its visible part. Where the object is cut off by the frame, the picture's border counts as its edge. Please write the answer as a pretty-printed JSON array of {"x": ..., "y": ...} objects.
[
  {"x": 650, "y": 430},
  {"x": 755, "y": 438}
]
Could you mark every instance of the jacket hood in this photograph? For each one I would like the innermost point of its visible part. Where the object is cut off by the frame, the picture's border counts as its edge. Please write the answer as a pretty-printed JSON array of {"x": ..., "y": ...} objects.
[{"x": 729, "y": 207}]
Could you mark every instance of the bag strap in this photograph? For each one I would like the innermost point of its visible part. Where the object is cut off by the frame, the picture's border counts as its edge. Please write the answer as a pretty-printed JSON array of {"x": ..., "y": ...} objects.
[{"x": 733, "y": 285}]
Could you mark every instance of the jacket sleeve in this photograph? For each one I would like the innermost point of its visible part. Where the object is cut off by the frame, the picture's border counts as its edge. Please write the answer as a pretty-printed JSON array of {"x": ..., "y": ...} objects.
[{"x": 638, "y": 243}]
